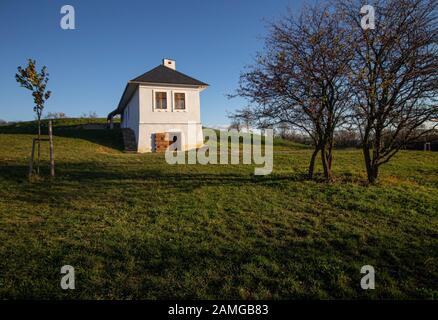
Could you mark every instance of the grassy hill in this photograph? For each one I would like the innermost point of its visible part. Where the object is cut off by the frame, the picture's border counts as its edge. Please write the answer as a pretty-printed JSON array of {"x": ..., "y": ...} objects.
[{"x": 135, "y": 227}]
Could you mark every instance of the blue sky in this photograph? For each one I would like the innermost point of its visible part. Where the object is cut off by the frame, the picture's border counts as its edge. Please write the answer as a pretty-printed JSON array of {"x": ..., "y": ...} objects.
[{"x": 115, "y": 41}]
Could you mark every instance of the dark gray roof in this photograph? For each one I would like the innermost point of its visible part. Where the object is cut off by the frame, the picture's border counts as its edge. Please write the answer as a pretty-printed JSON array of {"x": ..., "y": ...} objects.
[
  {"x": 162, "y": 74},
  {"x": 158, "y": 75}
]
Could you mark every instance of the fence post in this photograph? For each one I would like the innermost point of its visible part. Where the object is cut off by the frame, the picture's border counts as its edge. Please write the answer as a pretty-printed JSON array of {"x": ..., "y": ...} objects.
[
  {"x": 31, "y": 159},
  {"x": 52, "y": 158}
]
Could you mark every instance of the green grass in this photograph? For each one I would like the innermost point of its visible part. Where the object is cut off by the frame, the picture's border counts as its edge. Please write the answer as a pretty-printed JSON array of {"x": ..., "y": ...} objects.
[{"x": 135, "y": 227}]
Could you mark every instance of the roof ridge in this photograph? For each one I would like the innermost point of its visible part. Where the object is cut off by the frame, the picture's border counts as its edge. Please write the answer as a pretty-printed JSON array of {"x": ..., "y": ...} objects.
[{"x": 163, "y": 78}]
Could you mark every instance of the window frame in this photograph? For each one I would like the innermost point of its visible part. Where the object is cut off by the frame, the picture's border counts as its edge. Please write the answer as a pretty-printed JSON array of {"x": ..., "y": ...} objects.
[
  {"x": 174, "y": 101},
  {"x": 155, "y": 100}
]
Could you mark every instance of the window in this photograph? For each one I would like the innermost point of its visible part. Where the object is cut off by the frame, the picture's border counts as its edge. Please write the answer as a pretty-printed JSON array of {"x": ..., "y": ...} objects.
[
  {"x": 180, "y": 101},
  {"x": 161, "y": 100}
]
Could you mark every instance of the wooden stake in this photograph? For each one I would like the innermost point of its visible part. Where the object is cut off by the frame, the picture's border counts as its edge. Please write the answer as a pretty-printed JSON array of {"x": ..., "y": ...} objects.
[
  {"x": 52, "y": 158},
  {"x": 31, "y": 159}
]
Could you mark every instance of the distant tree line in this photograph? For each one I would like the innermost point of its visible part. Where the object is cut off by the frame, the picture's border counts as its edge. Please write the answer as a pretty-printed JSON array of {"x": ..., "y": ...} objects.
[
  {"x": 62, "y": 115},
  {"x": 323, "y": 74},
  {"x": 55, "y": 115}
]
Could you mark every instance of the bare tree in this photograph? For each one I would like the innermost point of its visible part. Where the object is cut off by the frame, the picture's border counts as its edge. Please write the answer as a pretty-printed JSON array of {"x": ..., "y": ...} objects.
[
  {"x": 300, "y": 79},
  {"x": 244, "y": 117},
  {"x": 235, "y": 124},
  {"x": 283, "y": 130},
  {"x": 393, "y": 75}
]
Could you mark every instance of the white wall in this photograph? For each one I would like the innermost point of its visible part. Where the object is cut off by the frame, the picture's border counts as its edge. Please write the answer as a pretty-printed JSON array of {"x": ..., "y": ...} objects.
[
  {"x": 149, "y": 114},
  {"x": 131, "y": 115},
  {"x": 153, "y": 121}
]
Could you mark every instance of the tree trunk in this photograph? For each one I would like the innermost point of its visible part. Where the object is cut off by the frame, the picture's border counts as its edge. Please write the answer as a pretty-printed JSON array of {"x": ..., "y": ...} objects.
[
  {"x": 372, "y": 168},
  {"x": 329, "y": 157},
  {"x": 329, "y": 174},
  {"x": 326, "y": 163},
  {"x": 374, "y": 173},
  {"x": 312, "y": 163}
]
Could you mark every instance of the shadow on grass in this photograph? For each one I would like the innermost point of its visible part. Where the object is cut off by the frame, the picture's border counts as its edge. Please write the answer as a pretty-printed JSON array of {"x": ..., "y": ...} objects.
[
  {"x": 93, "y": 175},
  {"x": 189, "y": 256},
  {"x": 105, "y": 137}
]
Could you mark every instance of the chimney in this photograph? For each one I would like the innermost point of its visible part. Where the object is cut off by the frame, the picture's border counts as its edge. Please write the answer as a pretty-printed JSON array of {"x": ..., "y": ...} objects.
[{"x": 169, "y": 63}]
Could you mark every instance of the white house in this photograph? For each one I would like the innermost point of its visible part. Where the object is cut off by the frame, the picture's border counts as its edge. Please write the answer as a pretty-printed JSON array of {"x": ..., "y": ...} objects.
[{"x": 161, "y": 101}]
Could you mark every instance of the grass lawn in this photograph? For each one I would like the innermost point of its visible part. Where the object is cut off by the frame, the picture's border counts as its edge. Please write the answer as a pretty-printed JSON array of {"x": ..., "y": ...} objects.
[{"x": 135, "y": 227}]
